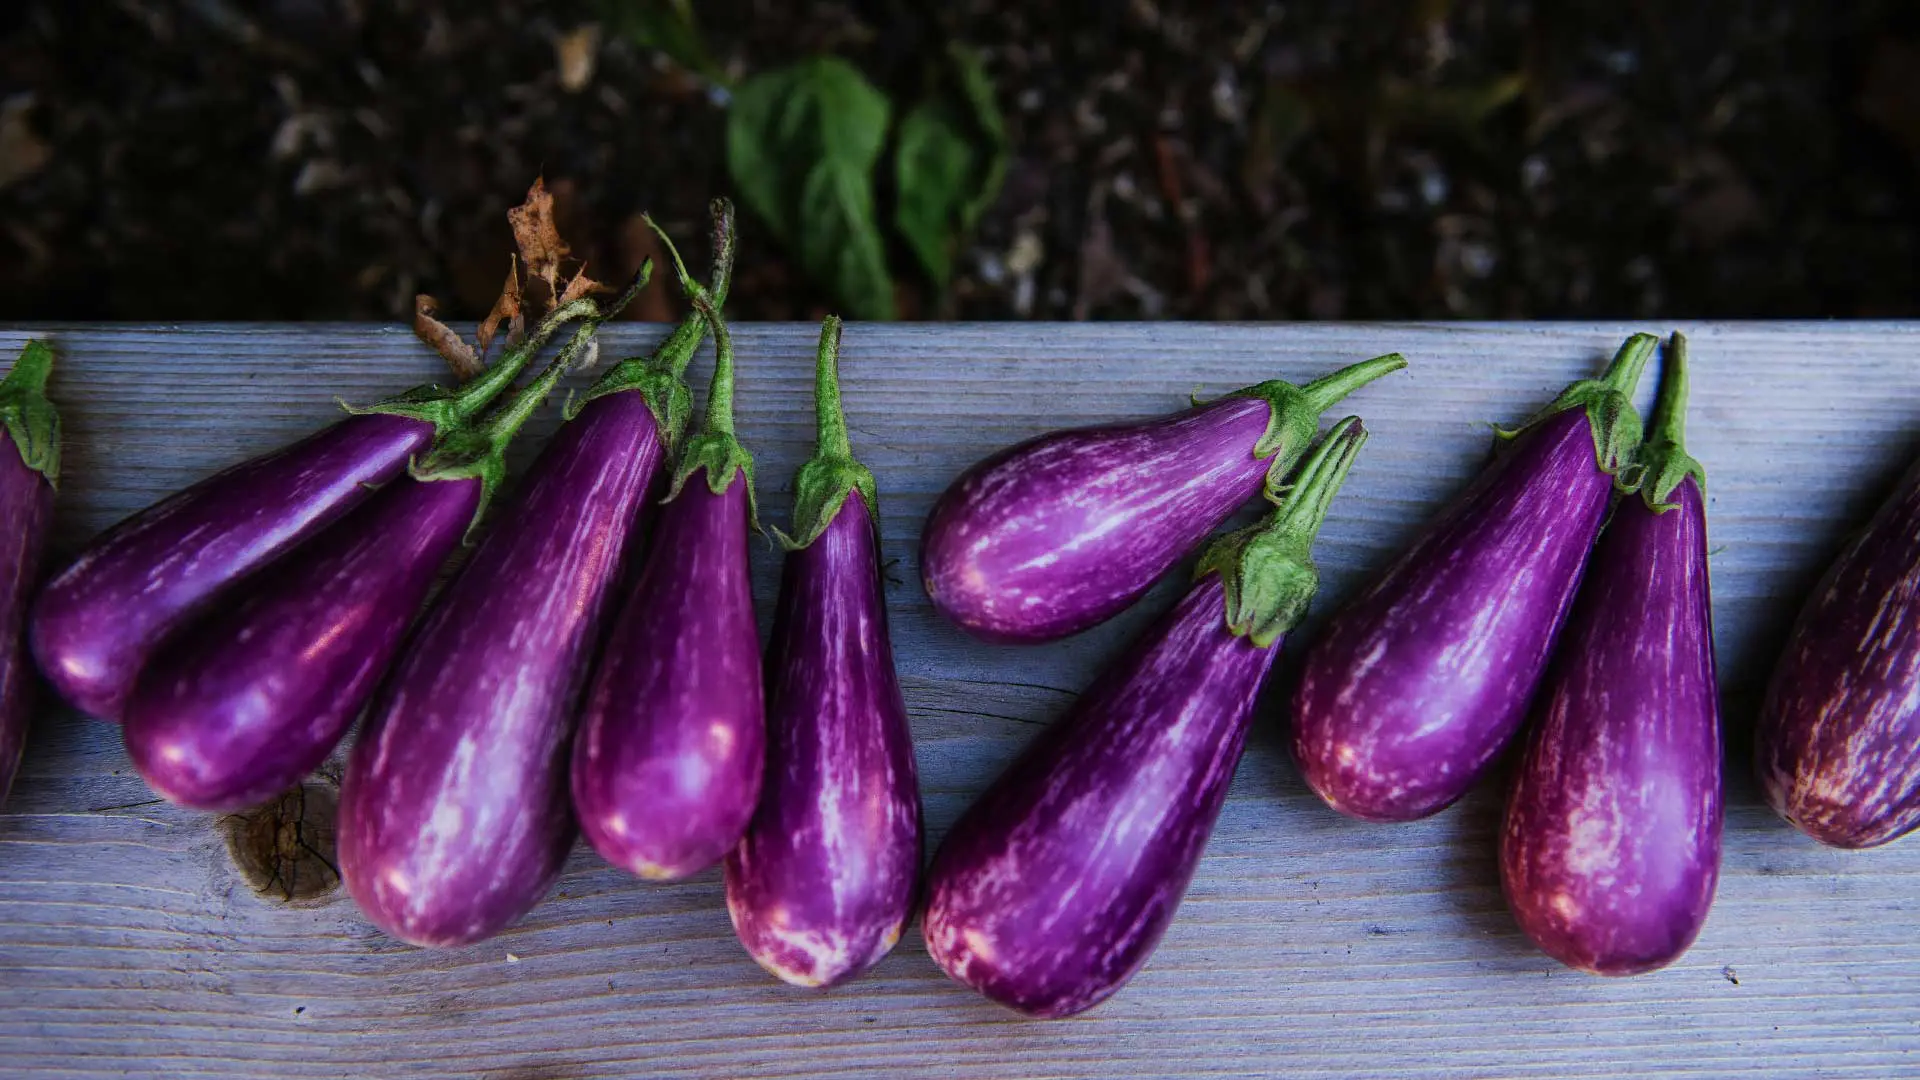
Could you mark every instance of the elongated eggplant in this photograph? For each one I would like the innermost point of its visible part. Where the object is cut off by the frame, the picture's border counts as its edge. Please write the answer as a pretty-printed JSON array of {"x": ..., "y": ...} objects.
[
  {"x": 1064, "y": 531},
  {"x": 672, "y": 741},
  {"x": 29, "y": 469},
  {"x": 455, "y": 816},
  {"x": 1837, "y": 746},
  {"x": 97, "y": 621},
  {"x": 823, "y": 882},
  {"x": 1055, "y": 886},
  {"x": 1611, "y": 848},
  {"x": 1418, "y": 683},
  {"x": 254, "y": 695}
]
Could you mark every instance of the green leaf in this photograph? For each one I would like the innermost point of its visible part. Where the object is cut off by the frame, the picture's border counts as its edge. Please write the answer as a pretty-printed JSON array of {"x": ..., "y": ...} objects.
[
  {"x": 948, "y": 166},
  {"x": 802, "y": 143},
  {"x": 669, "y": 27},
  {"x": 935, "y": 166}
]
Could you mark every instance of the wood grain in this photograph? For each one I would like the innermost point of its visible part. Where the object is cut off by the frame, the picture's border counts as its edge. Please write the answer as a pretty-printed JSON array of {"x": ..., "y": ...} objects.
[{"x": 1309, "y": 945}]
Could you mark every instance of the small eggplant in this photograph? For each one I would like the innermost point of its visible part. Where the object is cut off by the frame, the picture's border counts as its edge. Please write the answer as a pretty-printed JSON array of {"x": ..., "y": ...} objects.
[
  {"x": 823, "y": 882},
  {"x": 1416, "y": 685},
  {"x": 1055, "y": 886},
  {"x": 455, "y": 817},
  {"x": 29, "y": 468},
  {"x": 245, "y": 701},
  {"x": 1062, "y": 532},
  {"x": 672, "y": 741},
  {"x": 1837, "y": 746},
  {"x": 1611, "y": 848},
  {"x": 97, "y": 621}
]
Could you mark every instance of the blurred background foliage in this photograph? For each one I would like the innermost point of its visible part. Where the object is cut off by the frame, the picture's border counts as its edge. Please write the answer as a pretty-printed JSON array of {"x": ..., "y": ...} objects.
[{"x": 1359, "y": 159}]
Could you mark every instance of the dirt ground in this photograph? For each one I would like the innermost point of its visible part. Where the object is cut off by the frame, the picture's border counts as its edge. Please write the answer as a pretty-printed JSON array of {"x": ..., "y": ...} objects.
[{"x": 1356, "y": 159}]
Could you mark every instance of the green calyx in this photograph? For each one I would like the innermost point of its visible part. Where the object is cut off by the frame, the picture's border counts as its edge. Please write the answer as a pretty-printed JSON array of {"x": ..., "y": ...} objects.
[
  {"x": 29, "y": 416},
  {"x": 1295, "y": 415},
  {"x": 1608, "y": 401},
  {"x": 1664, "y": 460},
  {"x": 660, "y": 377},
  {"x": 1267, "y": 569},
  {"x": 714, "y": 447},
  {"x": 447, "y": 409},
  {"x": 822, "y": 485},
  {"x": 477, "y": 448}
]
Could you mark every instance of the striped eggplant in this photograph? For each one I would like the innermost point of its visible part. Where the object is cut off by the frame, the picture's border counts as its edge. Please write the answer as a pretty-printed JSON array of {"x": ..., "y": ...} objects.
[
  {"x": 1055, "y": 886},
  {"x": 1418, "y": 683},
  {"x": 1611, "y": 847},
  {"x": 1837, "y": 746},
  {"x": 455, "y": 817},
  {"x": 672, "y": 741},
  {"x": 29, "y": 469},
  {"x": 823, "y": 882},
  {"x": 97, "y": 621},
  {"x": 246, "y": 700},
  {"x": 1064, "y": 531}
]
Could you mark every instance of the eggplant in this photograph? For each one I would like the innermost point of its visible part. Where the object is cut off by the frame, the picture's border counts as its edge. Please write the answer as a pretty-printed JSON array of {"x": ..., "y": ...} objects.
[
  {"x": 1837, "y": 745},
  {"x": 97, "y": 621},
  {"x": 1610, "y": 851},
  {"x": 455, "y": 817},
  {"x": 824, "y": 880},
  {"x": 248, "y": 699},
  {"x": 1056, "y": 884},
  {"x": 1066, "y": 530},
  {"x": 672, "y": 742},
  {"x": 29, "y": 469},
  {"x": 1418, "y": 683}
]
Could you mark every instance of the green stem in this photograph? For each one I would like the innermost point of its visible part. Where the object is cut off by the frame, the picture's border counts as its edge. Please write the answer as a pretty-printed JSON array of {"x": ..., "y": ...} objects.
[
  {"x": 828, "y": 416},
  {"x": 720, "y": 388},
  {"x": 679, "y": 348},
  {"x": 1329, "y": 390},
  {"x": 26, "y": 414},
  {"x": 477, "y": 394},
  {"x": 1623, "y": 374},
  {"x": 1267, "y": 569},
  {"x": 1664, "y": 460}
]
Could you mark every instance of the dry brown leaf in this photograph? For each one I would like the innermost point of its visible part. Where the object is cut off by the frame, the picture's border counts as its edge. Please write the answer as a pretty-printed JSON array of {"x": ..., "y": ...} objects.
[
  {"x": 452, "y": 348},
  {"x": 506, "y": 309},
  {"x": 540, "y": 245},
  {"x": 580, "y": 286}
]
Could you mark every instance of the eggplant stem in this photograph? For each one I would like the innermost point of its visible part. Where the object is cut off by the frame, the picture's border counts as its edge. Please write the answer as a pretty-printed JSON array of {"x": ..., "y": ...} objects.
[
  {"x": 679, "y": 348},
  {"x": 478, "y": 393},
  {"x": 1329, "y": 390},
  {"x": 1670, "y": 408},
  {"x": 720, "y": 388},
  {"x": 1623, "y": 373},
  {"x": 1303, "y": 510},
  {"x": 31, "y": 371},
  {"x": 26, "y": 416},
  {"x": 832, "y": 439}
]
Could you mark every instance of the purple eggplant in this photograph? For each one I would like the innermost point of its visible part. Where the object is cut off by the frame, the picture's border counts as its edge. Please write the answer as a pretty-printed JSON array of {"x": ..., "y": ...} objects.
[
  {"x": 1062, "y": 532},
  {"x": 1418, "y": 683},
  {"x": 29, "y": 468},
  {"x": 97, "y": 621},
  {"x": 1055, "y": 886},
  {"x": 246, "y": 700},
  {"x": 1611, "y": 848},
  {"x": 672, "y": 741},
  {"x": 823, "y": 882},
  {"x": 455, "y": 817},
  {"x": 1837, "y": 746}
]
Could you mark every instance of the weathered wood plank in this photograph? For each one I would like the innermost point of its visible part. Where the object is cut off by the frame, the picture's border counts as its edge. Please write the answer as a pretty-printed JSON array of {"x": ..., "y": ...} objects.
[{"x": 1310, "y": 945}]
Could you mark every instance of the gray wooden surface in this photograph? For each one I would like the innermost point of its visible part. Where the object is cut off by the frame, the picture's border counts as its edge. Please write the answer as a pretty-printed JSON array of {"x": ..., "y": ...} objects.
[{"x": 1309, "y": 945}]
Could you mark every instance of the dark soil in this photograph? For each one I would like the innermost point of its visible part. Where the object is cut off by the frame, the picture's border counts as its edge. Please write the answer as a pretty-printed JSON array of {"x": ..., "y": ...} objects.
[{"x": 327, "y": 159}]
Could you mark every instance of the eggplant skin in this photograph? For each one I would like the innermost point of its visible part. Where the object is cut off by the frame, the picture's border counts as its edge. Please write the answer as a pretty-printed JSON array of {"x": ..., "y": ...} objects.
[
  {"x": 1061, "y": 532},
  {"x": 823, "y": 882},
  {"x": 455, "y": 817},
  {"x": 1416, "y": 685},
  {"x": 1611, "y": 848},
  {"x": 252, "y": 697},
  {"x": 97, "y": 621},
  {"x": 26, "y": 505},
  {"x": 1055, "y": 886},
  {"x": 1837, "y": 748},
  {"x": 672, "y": 742}
]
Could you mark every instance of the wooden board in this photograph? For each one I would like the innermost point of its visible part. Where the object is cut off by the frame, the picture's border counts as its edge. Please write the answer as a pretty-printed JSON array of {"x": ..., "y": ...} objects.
[{"x": 1309, "y": 945}]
